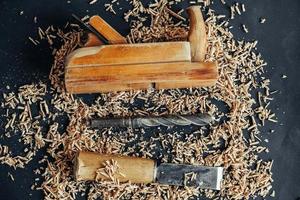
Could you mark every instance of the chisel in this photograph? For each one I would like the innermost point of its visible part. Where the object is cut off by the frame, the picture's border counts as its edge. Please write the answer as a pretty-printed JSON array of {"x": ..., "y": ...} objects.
[
  {"x": 200, "y": 119},
  {"x": 142, "y": 170}
]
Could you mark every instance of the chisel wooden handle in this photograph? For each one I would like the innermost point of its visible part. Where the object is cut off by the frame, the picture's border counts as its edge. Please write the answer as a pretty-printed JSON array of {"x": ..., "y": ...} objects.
[
  {"x": 135, "y": 170},
  {"x": 197, "y": 33}
]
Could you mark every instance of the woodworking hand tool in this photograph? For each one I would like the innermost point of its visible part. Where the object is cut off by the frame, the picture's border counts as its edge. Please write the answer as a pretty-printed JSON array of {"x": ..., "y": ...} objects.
[
  {"x": 122, "y": 67},
  {"x": 142, "y": 170},
  {"x": 144, "y": 122}
]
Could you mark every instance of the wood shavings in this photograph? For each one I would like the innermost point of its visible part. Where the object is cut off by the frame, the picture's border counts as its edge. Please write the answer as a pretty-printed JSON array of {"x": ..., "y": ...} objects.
[
  {"x": 204, "y": 2},
  {"x": 243, "y": 7},
  {"x": 262, "y": 20},
  {"x": 109, "y": 7},
  {"x": 245, "y": 29},
  {"x": 33, "y": 41},
  {"x": 174, "y": 14},
  {"x": 232, "y": 12},
  {"x": 110, "y": 170},
  {"x": 162, "y": 26},
  {"x": 11, "y": 176},
  {"x": 189, "y": 177},
  {"x": 93, "y": 2},
  {"x": 272, "y": 194},
  {"x": 239, "y": 66},
  {"x": 237, "y": 8}
]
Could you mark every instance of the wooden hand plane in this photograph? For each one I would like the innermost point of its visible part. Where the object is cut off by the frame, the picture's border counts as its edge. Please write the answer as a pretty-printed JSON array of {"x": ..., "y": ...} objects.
[{"x": 119, "y": 66}]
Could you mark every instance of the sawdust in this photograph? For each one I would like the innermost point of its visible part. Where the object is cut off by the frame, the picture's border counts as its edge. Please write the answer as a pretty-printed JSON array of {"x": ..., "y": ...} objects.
[{"x": 234, "y": 143}]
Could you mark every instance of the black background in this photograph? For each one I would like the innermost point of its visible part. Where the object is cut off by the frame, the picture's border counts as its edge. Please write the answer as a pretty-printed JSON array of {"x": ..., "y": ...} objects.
[{"x": 22, "y": 63}]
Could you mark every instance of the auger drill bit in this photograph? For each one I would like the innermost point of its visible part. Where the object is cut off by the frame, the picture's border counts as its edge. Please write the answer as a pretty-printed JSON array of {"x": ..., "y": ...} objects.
[{"x": 144, "y": 122}]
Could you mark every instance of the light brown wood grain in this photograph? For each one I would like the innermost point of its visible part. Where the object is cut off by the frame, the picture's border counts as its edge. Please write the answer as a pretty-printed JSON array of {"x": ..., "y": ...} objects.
[
  {"x": 96, "y": 88},
  {"x": 139, "y": 73},
  {"x": 83, "y": 88},
  {"x": 129, "y": 54},
  {"x": 135, "y": 170},
  {"x": 184, "y": 84},
  {"x": 198, "y": 43},
  {"x": 106, "y": 30},
  {"x": 92, "y": 41},
  {"x": 197, "y": 34},
  {"x": 85, "y": 79}
]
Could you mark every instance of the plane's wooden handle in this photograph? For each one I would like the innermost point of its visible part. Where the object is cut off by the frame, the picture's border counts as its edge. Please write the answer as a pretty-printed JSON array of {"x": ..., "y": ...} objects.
[
  {"x": 197, "y": 34},
  {"x": 133, "y": 169}
]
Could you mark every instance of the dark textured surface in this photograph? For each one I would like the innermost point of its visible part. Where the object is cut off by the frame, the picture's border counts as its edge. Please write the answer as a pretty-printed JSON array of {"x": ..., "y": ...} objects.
[{"x": 279, "y": 43}]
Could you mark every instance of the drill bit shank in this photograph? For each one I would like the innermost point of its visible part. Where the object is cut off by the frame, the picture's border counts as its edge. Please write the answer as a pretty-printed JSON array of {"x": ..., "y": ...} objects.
[{"x": 144, "y": 122}]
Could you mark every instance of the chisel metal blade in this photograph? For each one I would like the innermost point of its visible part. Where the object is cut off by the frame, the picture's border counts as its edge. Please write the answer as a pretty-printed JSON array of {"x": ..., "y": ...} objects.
[{"x": 190, "y": 175}]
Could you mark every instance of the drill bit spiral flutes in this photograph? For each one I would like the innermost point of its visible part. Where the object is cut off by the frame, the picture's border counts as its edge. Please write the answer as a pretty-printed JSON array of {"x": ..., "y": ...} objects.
[{"x": 138, "y": 122}]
